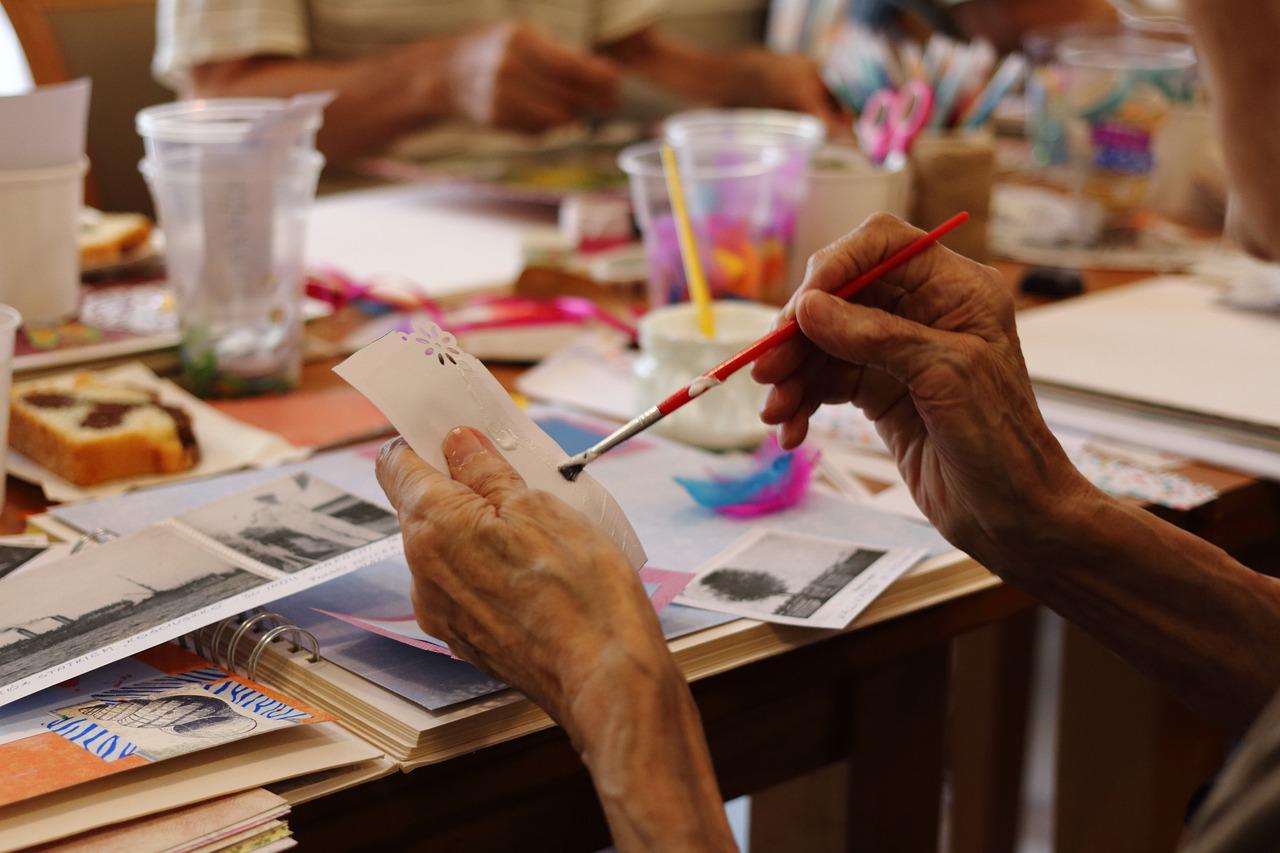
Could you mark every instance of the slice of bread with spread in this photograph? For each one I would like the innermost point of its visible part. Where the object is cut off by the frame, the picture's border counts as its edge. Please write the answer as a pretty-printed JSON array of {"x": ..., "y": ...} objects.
[
  {"x": 108, "y": 238},
  {"x": 97, "y": 431}
]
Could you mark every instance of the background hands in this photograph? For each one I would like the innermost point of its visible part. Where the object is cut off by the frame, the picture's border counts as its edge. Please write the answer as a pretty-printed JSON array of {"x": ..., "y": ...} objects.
[
  {"x": 515, "y": 76},
  {"x": 931, "y": 355},
  {"x": 787, "y": 81}
]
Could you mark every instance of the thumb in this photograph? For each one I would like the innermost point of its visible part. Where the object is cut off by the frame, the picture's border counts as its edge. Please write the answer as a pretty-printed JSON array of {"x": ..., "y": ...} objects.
[
  {"x": 409, "y": 482},
  {"x": 869, "y": 336},
  {"x": 477, "y": 464}
]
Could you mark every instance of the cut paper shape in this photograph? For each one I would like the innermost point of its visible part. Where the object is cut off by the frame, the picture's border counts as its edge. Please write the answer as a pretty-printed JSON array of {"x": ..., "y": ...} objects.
[
  {"x": 427, "y": 386},
  {"x": 777, "y": 479},
  {"x": 661, "y": 585}
]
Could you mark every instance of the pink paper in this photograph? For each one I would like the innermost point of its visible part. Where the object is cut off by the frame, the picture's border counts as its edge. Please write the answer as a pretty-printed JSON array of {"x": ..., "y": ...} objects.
[{"x": 404, "y": 628}]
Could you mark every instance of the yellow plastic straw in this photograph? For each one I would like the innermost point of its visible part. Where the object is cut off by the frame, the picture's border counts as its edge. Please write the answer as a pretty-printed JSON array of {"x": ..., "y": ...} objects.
[{"x": 699, "y": 293}]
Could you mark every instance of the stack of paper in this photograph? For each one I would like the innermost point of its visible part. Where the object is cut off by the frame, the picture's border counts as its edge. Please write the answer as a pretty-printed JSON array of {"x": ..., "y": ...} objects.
[
  {"x": 248, "y": 822},
  {"x": 1163, "y": 364}
]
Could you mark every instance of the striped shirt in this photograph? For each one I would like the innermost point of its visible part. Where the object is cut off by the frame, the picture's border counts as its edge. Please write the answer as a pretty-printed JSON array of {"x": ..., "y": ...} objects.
[{"x": 193, "y": 32}]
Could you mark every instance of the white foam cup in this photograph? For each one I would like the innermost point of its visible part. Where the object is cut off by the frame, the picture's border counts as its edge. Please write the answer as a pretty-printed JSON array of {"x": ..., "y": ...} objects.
[{"x": 39, "y": 241}]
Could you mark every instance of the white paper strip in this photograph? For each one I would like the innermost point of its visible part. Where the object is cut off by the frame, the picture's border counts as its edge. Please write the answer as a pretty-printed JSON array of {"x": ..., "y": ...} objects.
[{"x": 427, "y": 386}]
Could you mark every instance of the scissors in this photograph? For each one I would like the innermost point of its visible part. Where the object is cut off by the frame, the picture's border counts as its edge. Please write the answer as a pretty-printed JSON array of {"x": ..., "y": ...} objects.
[{"x": 891, "y": 120}]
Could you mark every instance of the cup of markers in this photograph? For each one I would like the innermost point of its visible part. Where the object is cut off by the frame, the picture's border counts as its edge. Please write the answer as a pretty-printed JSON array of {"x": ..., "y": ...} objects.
[
  {"x": 930, "y": 107},
  {"x": 900, "y": 91}
]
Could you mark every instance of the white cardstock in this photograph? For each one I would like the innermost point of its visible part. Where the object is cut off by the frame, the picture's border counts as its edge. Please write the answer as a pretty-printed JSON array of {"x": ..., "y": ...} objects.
[{"x": 427, "y": 386}]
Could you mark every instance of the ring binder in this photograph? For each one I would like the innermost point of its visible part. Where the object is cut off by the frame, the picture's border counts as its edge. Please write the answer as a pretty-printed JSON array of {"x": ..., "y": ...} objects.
[
  {"x": 251, "y": 670},
  {"x": 96, "y": 536},
  {"x": 244, "y": 627},
  {"x": 255, "y": 622}
]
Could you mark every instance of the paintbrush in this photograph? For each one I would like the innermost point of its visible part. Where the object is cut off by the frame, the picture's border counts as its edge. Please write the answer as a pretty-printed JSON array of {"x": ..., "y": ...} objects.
[{"x": 573, "y": 466}]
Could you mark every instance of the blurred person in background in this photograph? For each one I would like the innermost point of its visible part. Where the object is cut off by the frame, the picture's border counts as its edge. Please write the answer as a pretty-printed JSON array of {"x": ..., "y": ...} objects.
[{"x": 399, "y": 66}]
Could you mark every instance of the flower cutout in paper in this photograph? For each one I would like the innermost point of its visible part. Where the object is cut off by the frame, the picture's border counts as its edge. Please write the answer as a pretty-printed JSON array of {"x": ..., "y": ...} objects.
[{"x": 436, "y": 343}]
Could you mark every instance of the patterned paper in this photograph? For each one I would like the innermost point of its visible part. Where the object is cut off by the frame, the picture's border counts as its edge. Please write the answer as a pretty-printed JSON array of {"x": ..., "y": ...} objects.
[{"x": 159, "y": 704}]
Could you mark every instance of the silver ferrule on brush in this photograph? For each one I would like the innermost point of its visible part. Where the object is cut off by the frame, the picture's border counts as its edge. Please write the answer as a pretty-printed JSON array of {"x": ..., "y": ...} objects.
[{"x": 573, "y": 466}]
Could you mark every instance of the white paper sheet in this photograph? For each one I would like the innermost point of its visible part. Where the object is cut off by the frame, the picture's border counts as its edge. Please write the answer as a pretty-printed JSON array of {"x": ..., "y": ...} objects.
[
  {"x": 1167, "y": 343},
  {"x": 427, "y": 386},
  {"x": 594, "y": 373},
  {"x": 45, "y": 127},
  {"x": 416, "y": 235},
  {"x": 225, "y": 443}
]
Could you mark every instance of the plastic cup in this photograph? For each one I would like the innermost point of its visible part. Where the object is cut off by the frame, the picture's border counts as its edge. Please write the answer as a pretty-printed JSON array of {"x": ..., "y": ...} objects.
[
  {"x": 674, "y": 352},
  {"x": 179, "y": 131},
  {"x": 1118, "y": 91},
  {"x": 742, "y": 225},
  {"x": 234, "y": 240},
  {"x": 798, "y": 136},
  {"x": 1047, "y": 113},
  {"x": 10, "y": 320},
  {"x": 39, "y": 247},
  {"x": 844, "y": 189}
]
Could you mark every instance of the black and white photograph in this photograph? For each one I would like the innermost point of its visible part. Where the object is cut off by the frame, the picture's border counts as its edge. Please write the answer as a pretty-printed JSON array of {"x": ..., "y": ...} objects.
[
  {"x": 793, "y": 579},
  {"x": 293, "y": 523},
  {"x": 14, "y": 557},
  {"x": 105, "y": 594}
]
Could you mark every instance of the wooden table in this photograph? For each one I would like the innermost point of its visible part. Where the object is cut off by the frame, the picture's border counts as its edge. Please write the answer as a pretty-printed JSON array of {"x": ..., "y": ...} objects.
[{"x": 844, "y": 741}]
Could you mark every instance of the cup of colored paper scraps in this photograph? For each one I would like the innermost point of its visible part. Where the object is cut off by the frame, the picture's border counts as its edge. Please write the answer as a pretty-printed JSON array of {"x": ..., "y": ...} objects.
[{"x": 743, "y": 212}]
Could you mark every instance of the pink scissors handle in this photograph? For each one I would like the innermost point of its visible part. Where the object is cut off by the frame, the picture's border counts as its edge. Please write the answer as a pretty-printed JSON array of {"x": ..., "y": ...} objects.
[
  {"x": 875, "y": 125},
  {"x": 912, "y": 108},
  {"x": 891, "y": 120}
]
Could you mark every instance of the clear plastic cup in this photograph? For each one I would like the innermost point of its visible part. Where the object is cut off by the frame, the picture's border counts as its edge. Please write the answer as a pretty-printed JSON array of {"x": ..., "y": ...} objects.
[
  {"x": 794, "y": 131},
  {"x": 798, "y": 135},
  {"x": 177, "y": 131},
  {"x": 10, "y": 320},
  {"x": 742, "y": 223},
  {"x": 1119, "y": 91},
  {"x": 1047, "y": 113},
  {"x": 234, "y": 239}
]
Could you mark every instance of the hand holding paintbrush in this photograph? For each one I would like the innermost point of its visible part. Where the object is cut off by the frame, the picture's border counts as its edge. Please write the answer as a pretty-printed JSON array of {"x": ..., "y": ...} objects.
[{"x": 573, "y": 466}]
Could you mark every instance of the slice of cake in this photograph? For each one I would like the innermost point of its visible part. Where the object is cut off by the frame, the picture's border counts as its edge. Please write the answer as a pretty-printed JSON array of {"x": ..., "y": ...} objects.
[{"x": 96, "y": 431}]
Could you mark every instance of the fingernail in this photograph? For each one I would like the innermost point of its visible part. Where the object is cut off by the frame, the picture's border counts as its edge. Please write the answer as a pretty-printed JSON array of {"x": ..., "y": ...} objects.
[
  {"x": 823, "y": 303},
  {"x": 390, "y": 448},
  {"x": 461, "y": 443}
]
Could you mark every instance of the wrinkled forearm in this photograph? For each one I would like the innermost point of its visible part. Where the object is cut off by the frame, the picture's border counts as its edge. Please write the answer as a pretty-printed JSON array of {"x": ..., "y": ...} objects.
[
  {"x": 1175, "y": 606},
  {"x": 638, "y": 731},
  {"x": 377, "y": 99}
]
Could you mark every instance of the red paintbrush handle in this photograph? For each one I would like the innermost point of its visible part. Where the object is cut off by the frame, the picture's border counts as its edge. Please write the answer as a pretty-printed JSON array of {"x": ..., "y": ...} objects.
[{"x": 788, "y": 330}]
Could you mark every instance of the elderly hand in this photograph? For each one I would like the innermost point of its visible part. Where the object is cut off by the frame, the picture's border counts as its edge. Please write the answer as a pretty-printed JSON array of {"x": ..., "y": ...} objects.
[
  {"x": 518, "y": 77},
  {"x": 515, "y": 580},
  {"x": 930, "y": 354},
  {"x": 788, "y": 82},
  {"x": 519, "y": 583}
]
